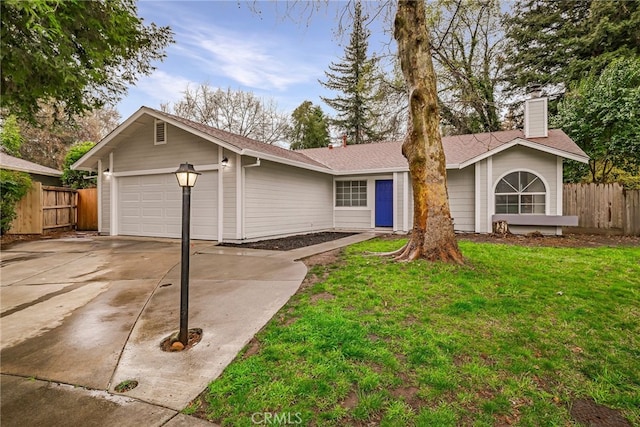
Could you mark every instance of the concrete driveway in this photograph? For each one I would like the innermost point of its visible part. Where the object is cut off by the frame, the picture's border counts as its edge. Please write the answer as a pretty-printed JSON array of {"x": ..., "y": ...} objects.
[{"x": 91, "y": 313}]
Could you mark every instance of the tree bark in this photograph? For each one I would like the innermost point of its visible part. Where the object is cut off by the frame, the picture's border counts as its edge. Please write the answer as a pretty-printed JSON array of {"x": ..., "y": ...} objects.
[
  {"x": 432, "y": 236},
  {"x": 501, "y": 228}
]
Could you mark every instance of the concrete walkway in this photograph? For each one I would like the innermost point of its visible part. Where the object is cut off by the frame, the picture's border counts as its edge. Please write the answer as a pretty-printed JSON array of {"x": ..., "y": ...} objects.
[{"x": 79, "y": 316}]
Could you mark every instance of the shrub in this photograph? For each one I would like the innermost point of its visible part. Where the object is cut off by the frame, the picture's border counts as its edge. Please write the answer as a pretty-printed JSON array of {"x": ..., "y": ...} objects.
[
  {"x": 73, "y": 178},
  {"x": 13, "y": 186}
]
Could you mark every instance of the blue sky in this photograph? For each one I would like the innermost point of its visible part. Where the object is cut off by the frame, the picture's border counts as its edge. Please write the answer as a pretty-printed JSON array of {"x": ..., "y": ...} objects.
[{"x": 226, "y": 44}]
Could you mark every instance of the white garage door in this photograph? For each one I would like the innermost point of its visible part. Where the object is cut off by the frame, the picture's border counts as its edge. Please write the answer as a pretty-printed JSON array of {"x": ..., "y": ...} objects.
[{"x": 151, "y": 205}]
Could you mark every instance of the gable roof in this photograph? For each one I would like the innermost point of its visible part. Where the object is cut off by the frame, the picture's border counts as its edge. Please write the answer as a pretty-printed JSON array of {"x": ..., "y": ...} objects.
[
  {"x": 460, "y": 151},
  {"x": 21, "y": 165},
  {"x": 232, "y": 142}
]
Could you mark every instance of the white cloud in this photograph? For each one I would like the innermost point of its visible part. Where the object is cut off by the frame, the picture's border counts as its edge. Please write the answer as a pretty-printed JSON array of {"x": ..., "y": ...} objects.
[
  {"x": 162, "y": 87},
  {"x": 256, "y": 60}
]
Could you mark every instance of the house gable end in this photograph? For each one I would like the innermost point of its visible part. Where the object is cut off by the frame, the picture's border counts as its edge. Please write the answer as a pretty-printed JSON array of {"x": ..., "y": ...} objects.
[{"x": 524, "y": 143}]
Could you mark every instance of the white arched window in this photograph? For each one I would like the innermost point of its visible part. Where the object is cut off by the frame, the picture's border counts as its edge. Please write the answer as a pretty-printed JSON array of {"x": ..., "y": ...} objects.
[{"x": 521, "y": 193}]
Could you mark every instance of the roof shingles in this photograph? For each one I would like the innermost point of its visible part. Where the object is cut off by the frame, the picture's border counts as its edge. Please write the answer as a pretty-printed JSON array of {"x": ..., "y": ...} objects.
[
  {"x": 14, "y": 163},
  {"x": 457, "y": 149}
]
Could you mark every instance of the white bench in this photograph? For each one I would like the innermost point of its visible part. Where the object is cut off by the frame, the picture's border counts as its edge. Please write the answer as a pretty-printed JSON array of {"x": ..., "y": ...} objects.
[{"x": 537, "y": 220}]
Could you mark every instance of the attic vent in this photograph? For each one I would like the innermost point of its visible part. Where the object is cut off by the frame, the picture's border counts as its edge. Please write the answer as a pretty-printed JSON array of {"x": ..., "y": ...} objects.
[{"x": 160, "y": 136}]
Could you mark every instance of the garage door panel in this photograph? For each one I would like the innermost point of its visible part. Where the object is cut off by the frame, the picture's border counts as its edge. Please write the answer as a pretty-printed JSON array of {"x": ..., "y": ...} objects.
[
  {"x": 131, "y": 229},
  {"x": 152, "y": 196},
  {"x": 130, "y": 197},
  {"x": 152, "y": 212},
  {"x": 153, "y": 179},
  {"x": 173, "y": 213},
  {"x": 157, "y": 230},
  {"x": 174, "y": 198},
  {"x": 151, "y": 205}
]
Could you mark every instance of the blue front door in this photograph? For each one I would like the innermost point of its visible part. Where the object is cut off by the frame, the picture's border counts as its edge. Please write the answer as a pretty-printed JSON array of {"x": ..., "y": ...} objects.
[{"x": 384, "y": 203}]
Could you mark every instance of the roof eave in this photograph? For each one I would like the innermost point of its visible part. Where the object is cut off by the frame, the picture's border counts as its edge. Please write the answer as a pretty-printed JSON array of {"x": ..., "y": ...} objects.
[
  {"x": 33, "y": 172},
  {"x": 525, "y": 143},
  {"x": 369, "y": 171},
  {"x": 282, "y": 160},
  {"x": 81, "y": 163}
]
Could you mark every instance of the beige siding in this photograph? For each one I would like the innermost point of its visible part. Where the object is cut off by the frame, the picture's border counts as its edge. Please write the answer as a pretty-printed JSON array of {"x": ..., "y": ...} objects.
[
  {"x": 353, "y": 219},
  {"x": 138, "y": 152},
  {"x": 283, "y": 200},
  {"x": 526, "y": 159},
  {"x": 401, "y": 181},
  {"x": 461, "y": 189},
  {"x": 230, "y": 202}
]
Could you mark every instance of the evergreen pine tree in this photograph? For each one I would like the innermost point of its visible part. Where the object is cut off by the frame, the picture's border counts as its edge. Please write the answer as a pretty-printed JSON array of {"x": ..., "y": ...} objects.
[
  {"x": 353, "y": 79},
  {"x": 557, "y": 43}
]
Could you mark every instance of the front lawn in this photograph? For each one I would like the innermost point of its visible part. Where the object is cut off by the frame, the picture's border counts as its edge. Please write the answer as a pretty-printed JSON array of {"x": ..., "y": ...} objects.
[{"x": 513, "y": 337}]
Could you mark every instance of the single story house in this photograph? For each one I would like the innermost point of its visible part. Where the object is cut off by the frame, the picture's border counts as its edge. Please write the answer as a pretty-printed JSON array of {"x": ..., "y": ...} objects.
[
  {"x": 38, "y": 173},
  {"x": 249, "y": 190}
]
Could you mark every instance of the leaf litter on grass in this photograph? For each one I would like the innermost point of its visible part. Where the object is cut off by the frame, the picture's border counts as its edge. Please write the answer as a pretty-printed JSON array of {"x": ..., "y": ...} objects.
[{"x": 490, "y": 342}]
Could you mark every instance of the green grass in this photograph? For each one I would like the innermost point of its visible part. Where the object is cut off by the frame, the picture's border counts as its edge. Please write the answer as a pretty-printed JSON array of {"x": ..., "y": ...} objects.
[{"x": 513, "y": 336}]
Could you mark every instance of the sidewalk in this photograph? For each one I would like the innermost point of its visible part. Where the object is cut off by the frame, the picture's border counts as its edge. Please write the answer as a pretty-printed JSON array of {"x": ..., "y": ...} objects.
[{"x": 234, "y": 292}]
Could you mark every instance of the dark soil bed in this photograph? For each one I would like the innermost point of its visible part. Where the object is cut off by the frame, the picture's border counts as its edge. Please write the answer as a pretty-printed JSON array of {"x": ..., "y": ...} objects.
[{"x": 292, "y": 242}]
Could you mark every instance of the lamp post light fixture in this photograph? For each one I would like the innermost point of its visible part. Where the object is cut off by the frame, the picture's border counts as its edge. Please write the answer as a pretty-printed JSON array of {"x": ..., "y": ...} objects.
[{"x": 187, "y": 177}]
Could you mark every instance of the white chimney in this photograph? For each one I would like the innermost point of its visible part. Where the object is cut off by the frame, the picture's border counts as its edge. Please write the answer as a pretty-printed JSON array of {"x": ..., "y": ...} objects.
[{"x": 536, "y": 118}]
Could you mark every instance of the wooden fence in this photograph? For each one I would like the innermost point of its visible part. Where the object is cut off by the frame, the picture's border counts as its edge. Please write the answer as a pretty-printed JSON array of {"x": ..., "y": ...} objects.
[
  {"x": 603, "y": 208},
  {"x": 46, "y": 209},
  {"x": 88, "y": 209}
]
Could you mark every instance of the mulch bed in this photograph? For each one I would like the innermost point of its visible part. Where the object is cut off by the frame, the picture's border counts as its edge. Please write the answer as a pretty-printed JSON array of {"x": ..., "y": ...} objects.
[{"x": 292, "y": 242}]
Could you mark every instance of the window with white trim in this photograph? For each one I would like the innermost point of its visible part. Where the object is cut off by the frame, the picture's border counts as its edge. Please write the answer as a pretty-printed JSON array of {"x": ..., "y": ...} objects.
[
  {"x": 160, "y": 132},
  {"x": 521, "y": 193},
  {"x": 351, "y": 193}
]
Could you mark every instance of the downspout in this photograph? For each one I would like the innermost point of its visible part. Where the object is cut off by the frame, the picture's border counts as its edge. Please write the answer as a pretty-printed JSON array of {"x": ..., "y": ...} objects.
[{"x": 244, "y": 204}]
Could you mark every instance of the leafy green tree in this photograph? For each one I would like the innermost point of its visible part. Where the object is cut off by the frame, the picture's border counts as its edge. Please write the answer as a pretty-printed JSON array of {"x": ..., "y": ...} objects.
[
  {"x": 10, "y": 136},
  {"x": 556, "y": 43},
  {"x": 75, "y": 178},
  {"x": 602, "y": 115},
  {"x": 47, "y": 141},
  {"x": 14, "y": 186},
  {"x": 77, "y": 55},
  {"x": 353, "y": 79},
  {"x": 467, "y": 48},
  {"x": 309, "y": 127}
]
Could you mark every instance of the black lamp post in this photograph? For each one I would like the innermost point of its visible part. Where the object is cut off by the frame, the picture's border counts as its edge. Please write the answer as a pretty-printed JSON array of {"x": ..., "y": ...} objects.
[{"x": 187, "y": 177}]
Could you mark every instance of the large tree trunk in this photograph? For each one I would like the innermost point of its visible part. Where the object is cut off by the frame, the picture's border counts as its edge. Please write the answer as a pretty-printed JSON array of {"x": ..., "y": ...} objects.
[{"x": 432, "y": 236}]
